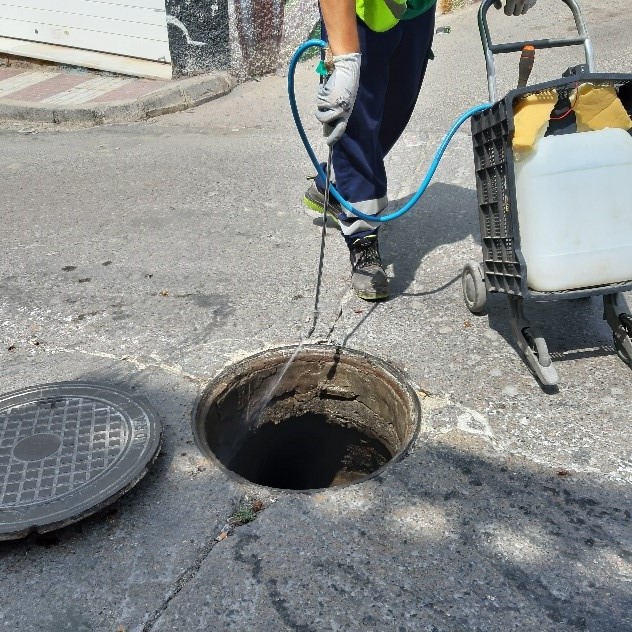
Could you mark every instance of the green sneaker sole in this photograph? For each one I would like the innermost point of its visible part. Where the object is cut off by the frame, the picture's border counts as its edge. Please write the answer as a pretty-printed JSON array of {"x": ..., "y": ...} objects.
[
  {"x": 315, "y": 206},
  {"x": 371, "y": 296}
]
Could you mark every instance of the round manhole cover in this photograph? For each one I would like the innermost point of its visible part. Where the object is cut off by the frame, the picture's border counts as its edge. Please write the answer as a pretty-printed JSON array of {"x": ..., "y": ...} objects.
[{"x": 66, "y": 451}]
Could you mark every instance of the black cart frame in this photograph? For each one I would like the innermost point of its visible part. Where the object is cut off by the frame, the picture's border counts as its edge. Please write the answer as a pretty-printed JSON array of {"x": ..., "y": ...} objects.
[{"x": 503, "y": 269}]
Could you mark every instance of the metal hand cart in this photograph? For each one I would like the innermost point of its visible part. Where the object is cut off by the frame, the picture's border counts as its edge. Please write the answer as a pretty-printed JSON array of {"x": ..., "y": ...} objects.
[{"x": 503, "y": 269}]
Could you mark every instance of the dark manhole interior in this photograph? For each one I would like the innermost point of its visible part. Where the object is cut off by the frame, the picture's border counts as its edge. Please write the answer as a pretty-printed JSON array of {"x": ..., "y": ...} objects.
[{"x": 331, "y": 417}]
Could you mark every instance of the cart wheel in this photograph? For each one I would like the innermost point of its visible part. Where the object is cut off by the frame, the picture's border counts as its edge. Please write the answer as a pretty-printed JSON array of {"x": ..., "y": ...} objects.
[
  {"x": 474, "y": 291},
  {"x": 626, "y": 322},
  {"x": 538, "y": 346}
]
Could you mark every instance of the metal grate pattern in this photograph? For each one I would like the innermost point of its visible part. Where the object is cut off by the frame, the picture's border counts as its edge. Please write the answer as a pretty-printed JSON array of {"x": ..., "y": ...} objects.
[
  {"x": 68, "y": 449},
  {"x": 92, "y": 435}
]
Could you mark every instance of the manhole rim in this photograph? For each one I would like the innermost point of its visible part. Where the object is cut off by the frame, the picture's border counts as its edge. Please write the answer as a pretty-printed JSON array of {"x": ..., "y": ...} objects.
[
  {"x": 230, "y": 371},
  {"x": 117, "y": 398}
]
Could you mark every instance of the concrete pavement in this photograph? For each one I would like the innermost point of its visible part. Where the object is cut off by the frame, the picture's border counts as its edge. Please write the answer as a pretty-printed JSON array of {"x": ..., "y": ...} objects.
[
  {"x": 62, "y": 95},
  {"x": 151, "y": 255}
]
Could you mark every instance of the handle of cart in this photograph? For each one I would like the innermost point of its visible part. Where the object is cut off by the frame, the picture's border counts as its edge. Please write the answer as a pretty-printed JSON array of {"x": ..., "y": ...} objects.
[
  {"x": 503, "y": 270},
  {"x": 490, "y": 49}
]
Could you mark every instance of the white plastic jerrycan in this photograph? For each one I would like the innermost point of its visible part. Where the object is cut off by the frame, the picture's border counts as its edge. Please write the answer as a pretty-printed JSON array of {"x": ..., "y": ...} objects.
[{"x": 574, "y": 197}]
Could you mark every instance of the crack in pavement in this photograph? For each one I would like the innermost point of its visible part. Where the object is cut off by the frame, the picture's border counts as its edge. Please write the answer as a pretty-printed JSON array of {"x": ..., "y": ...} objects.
[
  {"x": 191, "y": 572},
  {"x": 185, "y": 577}
]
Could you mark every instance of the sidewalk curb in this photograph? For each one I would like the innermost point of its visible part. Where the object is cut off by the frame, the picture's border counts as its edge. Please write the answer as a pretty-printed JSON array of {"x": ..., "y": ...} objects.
[{"x": 180, "y": 95}]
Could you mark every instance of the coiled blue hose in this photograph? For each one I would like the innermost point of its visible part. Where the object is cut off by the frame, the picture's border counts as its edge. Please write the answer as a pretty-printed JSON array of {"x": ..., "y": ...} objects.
[{"x": 310, "y": 152}]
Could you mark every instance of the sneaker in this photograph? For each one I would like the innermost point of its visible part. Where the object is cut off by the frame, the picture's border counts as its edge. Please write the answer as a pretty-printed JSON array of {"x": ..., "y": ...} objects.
[
  {"x": 315, "y": 200},
  {"x": 368, "y": 278}
]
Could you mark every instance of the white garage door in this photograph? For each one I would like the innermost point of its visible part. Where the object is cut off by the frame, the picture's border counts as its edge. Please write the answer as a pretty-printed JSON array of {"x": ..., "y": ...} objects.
[{"x": 134, "y": 28}]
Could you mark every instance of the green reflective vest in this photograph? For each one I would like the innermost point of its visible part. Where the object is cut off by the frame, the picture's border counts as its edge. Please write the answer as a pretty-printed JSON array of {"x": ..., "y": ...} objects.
[{"x": 382, "y": 15}]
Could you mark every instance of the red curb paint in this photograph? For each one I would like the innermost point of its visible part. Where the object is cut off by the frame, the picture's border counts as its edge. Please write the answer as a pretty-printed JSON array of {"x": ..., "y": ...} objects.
[
  {"x": 7, "y": 73},
  {"x": 133, "y": 90},
  {"x": 47, "y": 88}
]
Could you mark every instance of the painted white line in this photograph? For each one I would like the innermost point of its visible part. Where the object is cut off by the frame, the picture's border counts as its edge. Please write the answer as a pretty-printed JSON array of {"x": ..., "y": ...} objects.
[
  {"x": 86, "y": 91},
  {"x": 24, "y": 80}
]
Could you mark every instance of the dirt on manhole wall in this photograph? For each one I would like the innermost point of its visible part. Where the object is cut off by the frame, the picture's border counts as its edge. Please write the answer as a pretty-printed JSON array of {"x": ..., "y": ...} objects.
[{"x": 356, "y": 407}]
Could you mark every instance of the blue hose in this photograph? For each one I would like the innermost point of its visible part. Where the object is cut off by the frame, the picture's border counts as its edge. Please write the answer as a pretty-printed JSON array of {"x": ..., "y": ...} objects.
[{"x": 310, "y": 152}]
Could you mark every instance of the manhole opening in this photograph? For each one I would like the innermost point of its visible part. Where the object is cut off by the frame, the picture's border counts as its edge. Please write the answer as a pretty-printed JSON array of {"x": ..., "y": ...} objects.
[{"x": 335, "y": 417}]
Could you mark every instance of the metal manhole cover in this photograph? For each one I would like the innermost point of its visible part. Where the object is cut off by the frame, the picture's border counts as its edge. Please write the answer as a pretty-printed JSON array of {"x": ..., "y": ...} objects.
[{"x": 67, "y": 450}]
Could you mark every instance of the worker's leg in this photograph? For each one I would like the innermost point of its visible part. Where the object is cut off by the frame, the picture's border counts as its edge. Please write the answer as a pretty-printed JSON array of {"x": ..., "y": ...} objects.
[
  {"x": 408, "y": 64},
  {"x": 358, "y": 156},
  {"x": 358, "y": 160}
]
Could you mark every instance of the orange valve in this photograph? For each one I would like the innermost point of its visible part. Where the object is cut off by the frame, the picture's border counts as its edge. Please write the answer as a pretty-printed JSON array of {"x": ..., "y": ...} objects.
[{"x": 527, "y": 59}]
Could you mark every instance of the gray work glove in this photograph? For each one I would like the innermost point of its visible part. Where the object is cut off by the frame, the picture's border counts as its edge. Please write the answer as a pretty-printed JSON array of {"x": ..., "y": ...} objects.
[
  {"x": 337, "y": 96},
  {"x": 515, "y": 7}
]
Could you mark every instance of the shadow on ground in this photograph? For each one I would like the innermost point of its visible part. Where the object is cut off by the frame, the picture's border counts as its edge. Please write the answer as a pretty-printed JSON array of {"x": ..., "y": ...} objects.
[
  {"x": 446, "y": 214},
  {"x": 452, "y": 538},
  {"x": 573, "y": 329},
  {"x": 117, "y": 569}
]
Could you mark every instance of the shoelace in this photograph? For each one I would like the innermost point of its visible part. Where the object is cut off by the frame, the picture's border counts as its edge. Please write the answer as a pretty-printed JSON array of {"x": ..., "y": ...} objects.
[{"x": 368, "y": 255}]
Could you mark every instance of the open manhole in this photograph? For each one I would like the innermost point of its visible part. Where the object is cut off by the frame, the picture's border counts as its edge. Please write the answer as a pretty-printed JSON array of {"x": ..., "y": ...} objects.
[
  {"x": 68, "y": 450},
  {"x": 330, "y": 417}
]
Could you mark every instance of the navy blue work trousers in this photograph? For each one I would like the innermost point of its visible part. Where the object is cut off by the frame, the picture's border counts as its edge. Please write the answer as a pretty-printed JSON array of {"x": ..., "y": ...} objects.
[{"x": 392, "y": 71}]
